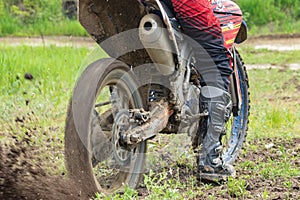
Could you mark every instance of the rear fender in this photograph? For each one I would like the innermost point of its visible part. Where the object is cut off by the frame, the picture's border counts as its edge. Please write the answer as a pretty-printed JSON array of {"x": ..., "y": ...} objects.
[
  {"x": 107, "y": 22},
  {"x": 242, "y": 34},
  {"x": 230, "y": 17}
]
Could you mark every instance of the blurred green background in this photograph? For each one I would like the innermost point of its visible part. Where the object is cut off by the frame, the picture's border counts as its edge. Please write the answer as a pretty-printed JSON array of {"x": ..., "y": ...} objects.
[{"x": 44, "y": 17}]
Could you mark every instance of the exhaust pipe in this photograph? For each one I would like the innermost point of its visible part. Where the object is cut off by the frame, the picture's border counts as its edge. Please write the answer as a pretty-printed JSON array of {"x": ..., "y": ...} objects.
[
  {"x": 157, "y": 43},
  {"x": 159, "y": 118}
]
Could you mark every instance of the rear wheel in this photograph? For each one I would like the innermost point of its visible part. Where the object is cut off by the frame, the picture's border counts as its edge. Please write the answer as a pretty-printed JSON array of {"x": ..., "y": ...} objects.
[{"x": 97, "y": 115}]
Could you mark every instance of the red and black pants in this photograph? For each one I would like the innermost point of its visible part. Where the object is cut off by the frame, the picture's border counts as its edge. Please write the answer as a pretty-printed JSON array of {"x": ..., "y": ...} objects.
[{"x": 200, "y": 25}]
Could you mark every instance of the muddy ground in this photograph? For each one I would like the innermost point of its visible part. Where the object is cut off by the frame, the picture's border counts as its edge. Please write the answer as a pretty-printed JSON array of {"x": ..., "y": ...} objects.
[
  {"x": 23, "y": 175},
  {"x": 21, "y": 179}
]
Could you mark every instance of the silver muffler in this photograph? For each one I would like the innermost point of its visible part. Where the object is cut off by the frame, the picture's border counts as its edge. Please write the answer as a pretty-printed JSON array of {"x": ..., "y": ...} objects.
[{"x": 157, "y": 43}]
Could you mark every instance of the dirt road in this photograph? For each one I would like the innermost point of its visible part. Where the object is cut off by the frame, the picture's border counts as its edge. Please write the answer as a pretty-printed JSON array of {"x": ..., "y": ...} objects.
[
  {"x": 276, "y": 43},
  {"x": 279, "y": 43},
  {"x": 48, "y": 41}
]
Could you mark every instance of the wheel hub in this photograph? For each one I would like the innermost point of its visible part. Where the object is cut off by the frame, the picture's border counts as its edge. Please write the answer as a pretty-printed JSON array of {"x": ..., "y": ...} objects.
[{"x": 122, "y": 152}]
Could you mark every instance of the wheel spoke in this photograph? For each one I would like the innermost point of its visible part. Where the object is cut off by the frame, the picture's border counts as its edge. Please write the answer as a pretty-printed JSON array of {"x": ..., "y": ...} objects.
[{"x": 102, "y": 104}]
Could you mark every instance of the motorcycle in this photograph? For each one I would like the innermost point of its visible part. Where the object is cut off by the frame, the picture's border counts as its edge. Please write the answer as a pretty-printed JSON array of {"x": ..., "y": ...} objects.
[{"x": 148, "y": 86}]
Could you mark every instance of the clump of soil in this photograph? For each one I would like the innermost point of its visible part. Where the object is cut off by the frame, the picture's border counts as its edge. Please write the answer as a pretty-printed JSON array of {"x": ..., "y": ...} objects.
[
  {"x": 24, "y": 168},
  {"x": 20, "y": 179}
]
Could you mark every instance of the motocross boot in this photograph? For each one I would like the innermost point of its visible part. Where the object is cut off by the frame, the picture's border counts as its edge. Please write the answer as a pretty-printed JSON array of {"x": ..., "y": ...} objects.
[{"x": 210, "y": 164}]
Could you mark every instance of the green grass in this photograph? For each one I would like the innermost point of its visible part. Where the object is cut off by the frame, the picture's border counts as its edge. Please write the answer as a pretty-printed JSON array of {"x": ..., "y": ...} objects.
[
  {"x": 274, "y": 103},
  {"x": 10, "y": 26},
  {"x": 264, "y": 56},
  {"x": 52, "y": 68},
  {"x": 275, "y": 113}
]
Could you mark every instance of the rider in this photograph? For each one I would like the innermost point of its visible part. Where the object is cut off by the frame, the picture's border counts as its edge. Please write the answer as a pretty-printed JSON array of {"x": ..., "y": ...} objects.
[{"x": 197, "y": 20}]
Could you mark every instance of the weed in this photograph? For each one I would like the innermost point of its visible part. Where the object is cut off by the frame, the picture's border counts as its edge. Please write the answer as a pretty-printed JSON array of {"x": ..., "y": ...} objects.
[
  {"x": 237, "y": 187},
  {"x": 265, "y": 194},
  {"x": 288, "y": 185},
  {"x": 127, "y": 194},
  {"x": 211, "y": 197},
  {"x": 160, "y": 187},
  {"x": 192, "y": 193},
  {"x": 247, "y": 165}
]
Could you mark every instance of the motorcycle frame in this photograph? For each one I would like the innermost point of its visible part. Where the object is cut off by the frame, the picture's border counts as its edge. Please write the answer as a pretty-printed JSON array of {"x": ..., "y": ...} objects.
[{"x": 179, "y": 83}]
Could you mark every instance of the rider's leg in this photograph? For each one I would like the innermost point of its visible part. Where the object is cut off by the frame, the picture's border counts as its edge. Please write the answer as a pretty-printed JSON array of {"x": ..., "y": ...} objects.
[{"x": 200, "y": 24}]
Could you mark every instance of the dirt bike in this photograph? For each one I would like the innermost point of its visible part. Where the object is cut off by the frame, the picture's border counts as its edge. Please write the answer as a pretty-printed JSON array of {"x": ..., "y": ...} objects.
[{"x": 148, "y": 86}]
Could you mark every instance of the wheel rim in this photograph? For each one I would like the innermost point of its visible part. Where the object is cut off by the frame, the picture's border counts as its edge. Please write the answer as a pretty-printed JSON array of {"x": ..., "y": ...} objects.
[{"x": 114, "y": 169}]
